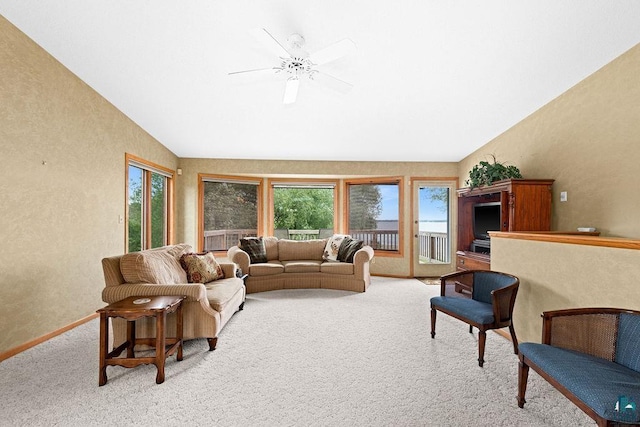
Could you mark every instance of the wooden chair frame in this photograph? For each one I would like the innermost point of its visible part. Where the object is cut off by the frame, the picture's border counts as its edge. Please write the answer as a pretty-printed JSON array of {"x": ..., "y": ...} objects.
[{"x": 502, "y": 300}]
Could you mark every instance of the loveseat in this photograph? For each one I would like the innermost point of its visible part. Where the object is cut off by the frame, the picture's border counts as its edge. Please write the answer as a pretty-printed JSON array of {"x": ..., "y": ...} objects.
[
  {"x": 291, "y": 264},
  {"x": 592, "y": 356},
  {"x": 208, "y": 306}
]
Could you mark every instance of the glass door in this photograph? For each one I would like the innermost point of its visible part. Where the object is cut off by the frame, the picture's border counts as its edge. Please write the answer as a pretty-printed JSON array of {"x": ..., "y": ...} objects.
[{"x": 433, "y": 237}]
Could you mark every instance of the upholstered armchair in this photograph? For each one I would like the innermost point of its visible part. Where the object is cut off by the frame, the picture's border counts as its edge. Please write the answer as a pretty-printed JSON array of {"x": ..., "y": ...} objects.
[{"x": 490, "y": 305}]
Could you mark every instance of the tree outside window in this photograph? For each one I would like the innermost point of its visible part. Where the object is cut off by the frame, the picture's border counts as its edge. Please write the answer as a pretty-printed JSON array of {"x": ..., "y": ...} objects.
[
  {"x": 230, "y": 212},
  {"x": 374, "y": 214},
  {"x": 303, "y": 209},
  {"x": 148, "y": 218}
]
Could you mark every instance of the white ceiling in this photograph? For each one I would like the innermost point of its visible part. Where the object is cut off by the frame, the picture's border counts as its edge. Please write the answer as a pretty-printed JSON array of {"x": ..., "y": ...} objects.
[{"x": 433, "y": 80}]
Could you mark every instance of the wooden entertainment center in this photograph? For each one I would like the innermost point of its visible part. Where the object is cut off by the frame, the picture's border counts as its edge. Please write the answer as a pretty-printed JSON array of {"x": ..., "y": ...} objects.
[{"x": 524, "y": 205}]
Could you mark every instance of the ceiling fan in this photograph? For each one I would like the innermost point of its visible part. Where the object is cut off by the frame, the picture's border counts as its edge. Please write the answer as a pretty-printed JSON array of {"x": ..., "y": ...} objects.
[{"x": 296, "y": 63}]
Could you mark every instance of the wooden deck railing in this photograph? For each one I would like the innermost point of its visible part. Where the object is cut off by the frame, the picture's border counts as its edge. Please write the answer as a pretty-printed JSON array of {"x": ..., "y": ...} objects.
[
  {"x": 432, "y": 246},
  {"x": 221, "y": 240},
  {"x": 303, "y": 234},
  {"x": 384, "y": 240}
]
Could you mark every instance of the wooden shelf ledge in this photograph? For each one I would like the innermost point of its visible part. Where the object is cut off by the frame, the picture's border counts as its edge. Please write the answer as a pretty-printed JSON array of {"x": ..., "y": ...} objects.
[{"x": 574, "y": 238}]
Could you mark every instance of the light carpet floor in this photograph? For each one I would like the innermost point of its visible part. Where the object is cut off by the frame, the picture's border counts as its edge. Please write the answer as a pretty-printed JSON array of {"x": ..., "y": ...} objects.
[{"x": 306, "y": 357}]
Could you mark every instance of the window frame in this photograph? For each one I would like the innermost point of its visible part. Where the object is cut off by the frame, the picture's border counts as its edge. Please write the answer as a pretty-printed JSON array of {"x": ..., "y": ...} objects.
[
  {"x": 236, "y": 179},
  {"x": 147, "y": 169},
  {"x": 293, "y": 182},
  {"x": 395, "y": 180}
]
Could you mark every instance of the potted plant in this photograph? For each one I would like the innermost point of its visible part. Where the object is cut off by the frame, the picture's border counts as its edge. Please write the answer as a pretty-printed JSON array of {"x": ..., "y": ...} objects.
[{"x": 485, "y": 173}]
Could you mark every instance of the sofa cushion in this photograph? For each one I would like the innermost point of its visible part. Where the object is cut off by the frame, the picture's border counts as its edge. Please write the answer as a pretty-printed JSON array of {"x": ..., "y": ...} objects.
[
  {"x": 597, "y": 382},
  {"x": 266, "y": 268},
  {"x": 348, "y": 249},
  {"x": 301, "y": 266},
  {"x": 271, "y": 247},
  {"x": 160, "y": 265},
  {"x": 254, "y": 246},
  {"x": 336, "y": 268},
  {"x": 293, "y": 250},
  {"x": 476, "y": 311},
  {"x": 201, "y": 268},
  {"x": 331, "y": 248},
  {"x": 220, "y": 292}
]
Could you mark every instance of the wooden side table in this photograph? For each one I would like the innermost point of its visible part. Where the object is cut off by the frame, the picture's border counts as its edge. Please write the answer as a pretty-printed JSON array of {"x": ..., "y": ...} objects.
[{"x": 133, "y": 308}]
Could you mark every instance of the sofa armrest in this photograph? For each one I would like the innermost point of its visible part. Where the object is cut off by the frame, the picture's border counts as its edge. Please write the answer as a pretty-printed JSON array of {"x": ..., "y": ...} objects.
[
  {"x": 362, "y": 255},
  {"x": 361, "y": 260},
  {"x": 239, "y": 257},
  {"x": 193, "y": 291},
  {"x": 228, "y": 268}
]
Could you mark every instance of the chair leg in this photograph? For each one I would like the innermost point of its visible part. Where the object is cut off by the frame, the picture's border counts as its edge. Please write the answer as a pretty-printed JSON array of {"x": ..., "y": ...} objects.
[
  {"x": 482, "y": 338},
  {"x": 523, "y": 374},
  {"x": 514, "y": 340},
  {"x": 433, "y": 323},
  {"x": 212, "y": 343}
]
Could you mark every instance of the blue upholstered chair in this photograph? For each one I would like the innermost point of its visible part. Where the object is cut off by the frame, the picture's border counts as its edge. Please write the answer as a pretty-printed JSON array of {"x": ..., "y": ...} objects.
[
  {"x": 592, "y": 356},
  {"x": 490, "y": 305}
]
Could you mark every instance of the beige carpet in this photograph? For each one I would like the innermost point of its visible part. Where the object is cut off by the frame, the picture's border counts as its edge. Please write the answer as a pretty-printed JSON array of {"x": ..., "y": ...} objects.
[{"x": 293, "y": 358}]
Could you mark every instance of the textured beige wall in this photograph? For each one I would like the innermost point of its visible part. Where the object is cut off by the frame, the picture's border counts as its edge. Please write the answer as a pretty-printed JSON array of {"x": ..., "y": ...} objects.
[
  {"x": 187, "y": 189},
  {"x": 59, "y": 219},
  {"x": 559, "y": 275},
  {"x": 588, "y": 140}
]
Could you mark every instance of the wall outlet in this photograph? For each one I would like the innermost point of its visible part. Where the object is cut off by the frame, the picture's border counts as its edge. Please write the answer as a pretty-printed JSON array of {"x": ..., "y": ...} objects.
[{"x": 563, "y": 196}]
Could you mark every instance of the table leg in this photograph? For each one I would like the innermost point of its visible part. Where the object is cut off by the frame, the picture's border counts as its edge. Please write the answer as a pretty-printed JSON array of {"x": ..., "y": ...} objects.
[
  {"x": 179, "y": 331},
  {"x": 131, "y": 337},
  {"x": 104, "y": 349},
  {"x": 160, "y": 346}
]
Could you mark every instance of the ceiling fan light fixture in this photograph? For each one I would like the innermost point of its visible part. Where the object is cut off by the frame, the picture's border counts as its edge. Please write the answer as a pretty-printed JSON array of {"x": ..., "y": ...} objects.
[
  {"x": 295, "y": 62},
  {"x": 291, "y": 90}
]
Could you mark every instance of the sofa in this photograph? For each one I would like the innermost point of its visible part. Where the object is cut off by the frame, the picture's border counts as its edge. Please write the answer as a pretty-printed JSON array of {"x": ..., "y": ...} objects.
[
  {"x": 156, "y": 272},
  {"x": 592, "y": 356},
  {"x": 293, "y": 264}
]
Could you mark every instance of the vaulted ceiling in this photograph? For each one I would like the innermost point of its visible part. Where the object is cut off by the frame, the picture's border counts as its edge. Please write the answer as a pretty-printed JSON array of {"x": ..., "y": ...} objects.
[{"x": 432, "y": 80}]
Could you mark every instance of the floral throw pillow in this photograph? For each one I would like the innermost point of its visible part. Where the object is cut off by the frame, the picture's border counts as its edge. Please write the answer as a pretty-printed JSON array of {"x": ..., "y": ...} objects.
[
  {"x": 333, "y": 246},
  {"x": 201, "y": 268}
]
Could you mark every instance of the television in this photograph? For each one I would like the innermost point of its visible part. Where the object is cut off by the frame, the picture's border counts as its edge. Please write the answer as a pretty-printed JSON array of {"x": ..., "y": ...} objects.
[{"x": 486, "y": 217}]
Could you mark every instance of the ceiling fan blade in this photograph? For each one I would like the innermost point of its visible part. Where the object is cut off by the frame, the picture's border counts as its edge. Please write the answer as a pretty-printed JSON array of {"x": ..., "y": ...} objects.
[
  {"x": 291, "y": 91},
  {"x": 333, "y": 52},
  {"x": 332, "y": 82},
  {"x": 267, "y": 40},
  {"x": 257, "y": 70}
]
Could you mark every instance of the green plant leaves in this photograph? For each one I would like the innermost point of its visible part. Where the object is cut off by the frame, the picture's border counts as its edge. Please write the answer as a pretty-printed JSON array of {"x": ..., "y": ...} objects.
[{"x": 485, "y": 173}]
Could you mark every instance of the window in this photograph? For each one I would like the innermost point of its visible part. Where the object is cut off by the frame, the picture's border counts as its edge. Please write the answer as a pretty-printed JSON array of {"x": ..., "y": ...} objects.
[
  {"x": 374, "y": 212},
  {"x": 303, "y": 210},
  {"x": 229, "y": 210},
  {"x": 149, "y": 204}
]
